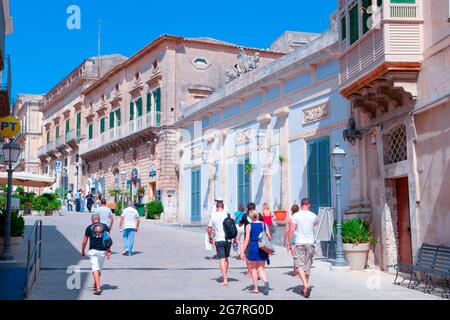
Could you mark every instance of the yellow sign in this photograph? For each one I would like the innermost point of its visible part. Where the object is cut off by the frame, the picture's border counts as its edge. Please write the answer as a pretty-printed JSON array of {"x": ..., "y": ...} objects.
[{"x": 9, "y": 127}]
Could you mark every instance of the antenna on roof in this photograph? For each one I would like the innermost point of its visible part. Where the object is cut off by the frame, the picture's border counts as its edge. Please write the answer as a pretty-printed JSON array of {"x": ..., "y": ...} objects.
[{"x": 99, "y": 65}]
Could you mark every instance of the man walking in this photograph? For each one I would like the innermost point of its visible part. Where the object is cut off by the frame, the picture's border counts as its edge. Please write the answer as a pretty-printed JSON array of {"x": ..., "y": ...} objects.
[
  {"x": 69, "y": 201},
  {"x": 129, "y": 224},
  {"x": 223, "y": 246},
  {"x": 78, "y": 201},
  {"x": 98, "y": 251},
  {"x": 302, "y": 225},
  {"x": 89, "y": 201},
  {"x": 217, "y": 200},
  {"x": 105, "y": 214}
]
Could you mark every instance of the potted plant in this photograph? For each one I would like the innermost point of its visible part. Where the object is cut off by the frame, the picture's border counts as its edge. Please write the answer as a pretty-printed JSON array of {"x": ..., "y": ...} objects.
[
  {"x": 279, "y": 212},
  {"x": 116, "y": 193},
  {"x": 248, "y": 168},
  {"x": 356, "y": 238},
  {"x": 154, "y": 210},
  {"x": 17, "y": 229}
]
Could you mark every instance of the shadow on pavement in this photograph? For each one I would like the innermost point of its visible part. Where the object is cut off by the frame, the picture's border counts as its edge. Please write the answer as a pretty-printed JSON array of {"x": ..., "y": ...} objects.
[{"x": 60, "y": 276}]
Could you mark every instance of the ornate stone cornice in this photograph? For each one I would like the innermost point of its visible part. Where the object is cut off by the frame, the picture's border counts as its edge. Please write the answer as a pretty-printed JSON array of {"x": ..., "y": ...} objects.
[{"x": 155, "y": 80}]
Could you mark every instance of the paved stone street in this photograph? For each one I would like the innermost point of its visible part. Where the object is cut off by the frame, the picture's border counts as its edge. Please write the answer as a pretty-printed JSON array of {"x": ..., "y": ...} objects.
[{"x": 171, "y": 263}]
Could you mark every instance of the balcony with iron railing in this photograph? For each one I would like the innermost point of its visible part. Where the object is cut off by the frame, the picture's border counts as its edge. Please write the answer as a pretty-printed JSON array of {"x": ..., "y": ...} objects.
[
  {"x": 131, "y": 128},
  {"x": 5, "y": 88},
  {"x": 389, "y": 37}
]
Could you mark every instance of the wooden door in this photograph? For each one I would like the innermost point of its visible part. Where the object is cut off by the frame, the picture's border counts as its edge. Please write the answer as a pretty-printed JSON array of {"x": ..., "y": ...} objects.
[{"x": 403, "y": 221}]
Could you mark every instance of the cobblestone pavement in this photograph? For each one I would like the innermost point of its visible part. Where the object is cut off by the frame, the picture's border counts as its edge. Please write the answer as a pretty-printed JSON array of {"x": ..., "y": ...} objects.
[{"x": 172, "y": 263}]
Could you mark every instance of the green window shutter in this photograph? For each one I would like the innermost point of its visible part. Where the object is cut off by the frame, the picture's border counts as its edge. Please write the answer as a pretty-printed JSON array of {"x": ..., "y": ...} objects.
[
  {"x": 139, "y": 107},
  {"x": 79, "y": 121},
  {"x": 365, "y": 16},
  {"x": 131, "y": 110},
  {"x": 111, "y": 120},
  {"x": 67, "y": 126},
  {"x": 118, "y": 117},
  {"x": 157, "y": 95},
  {"x": 57, "y": 132},
  {"x": 48, "y": 136},
  {"x": 343, "y": 29},
  {"x": 90, "y": 131},
  {"x": 403, "y": 1},
  {"x": 379, "y": 3},
  {"x": 354, "y": 25},
  {"x": 102, "y": 125},
  {"x": 149, "y": 102},
  {"x": 319, "y": 173}
]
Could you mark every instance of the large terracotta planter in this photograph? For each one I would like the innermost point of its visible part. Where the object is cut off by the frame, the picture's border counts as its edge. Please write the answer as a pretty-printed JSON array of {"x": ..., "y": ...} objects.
[
  {"x": 356, "y": 255},
  {"x": 15, "y": 243},
  {"x": 280, "y": 215}
]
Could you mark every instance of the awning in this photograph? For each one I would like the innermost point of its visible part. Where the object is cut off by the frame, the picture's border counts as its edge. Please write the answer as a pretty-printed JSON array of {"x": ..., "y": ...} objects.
[{"x": 27, "y": 179}]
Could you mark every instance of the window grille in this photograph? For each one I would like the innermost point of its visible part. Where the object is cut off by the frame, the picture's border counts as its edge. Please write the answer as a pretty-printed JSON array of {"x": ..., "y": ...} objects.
[{"x": 395, "y": 149}]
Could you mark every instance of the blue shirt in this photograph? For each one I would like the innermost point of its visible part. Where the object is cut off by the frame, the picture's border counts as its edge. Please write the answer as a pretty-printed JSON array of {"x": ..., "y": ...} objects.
[{"x": 238, "y": 215}]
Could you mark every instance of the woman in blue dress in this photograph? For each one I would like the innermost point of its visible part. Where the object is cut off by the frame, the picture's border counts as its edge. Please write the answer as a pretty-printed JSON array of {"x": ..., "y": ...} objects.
[{"x": 256, "y": 257}]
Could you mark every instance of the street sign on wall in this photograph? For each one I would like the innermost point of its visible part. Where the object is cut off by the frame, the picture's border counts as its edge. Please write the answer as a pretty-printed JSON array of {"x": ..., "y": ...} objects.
[
  {"x": 9, "y": 127},
  {"x": 58, "y": 166}
]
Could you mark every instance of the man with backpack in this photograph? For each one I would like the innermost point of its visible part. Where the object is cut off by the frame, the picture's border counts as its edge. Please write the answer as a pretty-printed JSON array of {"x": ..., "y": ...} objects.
[
  {"x": 99, "y": 248},
  {"x": 225, "y": 231}
]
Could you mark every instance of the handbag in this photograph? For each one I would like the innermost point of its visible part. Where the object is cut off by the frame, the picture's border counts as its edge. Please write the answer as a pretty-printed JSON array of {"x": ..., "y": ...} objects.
[
  {"x": 107, "y": 241},
  {"x": 264, "y": 242}
]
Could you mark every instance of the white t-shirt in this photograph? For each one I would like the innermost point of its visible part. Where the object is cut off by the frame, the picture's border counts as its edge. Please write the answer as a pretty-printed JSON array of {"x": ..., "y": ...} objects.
[
  {"x": 104, "y": 213},
  {"x": 305, "y": 221},
  {"x": 214, "y": 210},
  {"x": 130, "y": 216},
  {"x": 216, "y": 222}
]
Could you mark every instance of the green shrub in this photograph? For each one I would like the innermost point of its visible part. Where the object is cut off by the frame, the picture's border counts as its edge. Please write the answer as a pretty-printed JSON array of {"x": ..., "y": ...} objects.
[
  {"x": 154, "y": 208},
  {"x": 356, "y": 231},
  {"x": 118, "y": 210},
  {"x": 54, "y": 205},
  {"x": 39, "y": 203},
  {"x": 17, "y": 223}
]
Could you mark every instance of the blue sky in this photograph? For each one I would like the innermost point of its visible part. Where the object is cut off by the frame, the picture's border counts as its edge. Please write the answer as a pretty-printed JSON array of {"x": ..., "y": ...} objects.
[{"x": 43, "y": 50}]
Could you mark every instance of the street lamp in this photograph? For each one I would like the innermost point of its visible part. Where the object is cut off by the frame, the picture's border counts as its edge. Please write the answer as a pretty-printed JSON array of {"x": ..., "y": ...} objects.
[
  {"x": 123, "y": 176},
  {"x": 11, "y": 152},
  {"x": 338, "y": 157}
]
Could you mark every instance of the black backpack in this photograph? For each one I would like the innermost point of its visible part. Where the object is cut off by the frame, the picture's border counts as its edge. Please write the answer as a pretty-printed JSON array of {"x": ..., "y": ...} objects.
[{"x": 229, "y": 227}]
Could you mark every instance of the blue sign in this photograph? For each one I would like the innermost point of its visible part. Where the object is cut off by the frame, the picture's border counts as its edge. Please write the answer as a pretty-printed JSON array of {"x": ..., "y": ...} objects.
[{"x": 58, "y": 166}]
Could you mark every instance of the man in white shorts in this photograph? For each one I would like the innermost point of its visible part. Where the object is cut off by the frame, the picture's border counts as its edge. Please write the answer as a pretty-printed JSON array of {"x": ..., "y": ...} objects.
[{"x": 97, "y": 249}]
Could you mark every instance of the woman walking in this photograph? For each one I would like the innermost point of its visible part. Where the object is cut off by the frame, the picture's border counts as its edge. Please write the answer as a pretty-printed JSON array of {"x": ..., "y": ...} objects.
[
  {"x": 256, "y": 257},
  {"x": 239, "y": 241},
  {"x": 268, "y": 217}
]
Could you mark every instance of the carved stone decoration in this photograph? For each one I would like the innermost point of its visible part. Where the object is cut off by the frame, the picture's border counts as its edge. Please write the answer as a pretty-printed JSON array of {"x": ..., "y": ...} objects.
[
  {"x": 244, "y": 136},
  {"x": 244, "y": 64},
  {"x": 315, "y": 113}
]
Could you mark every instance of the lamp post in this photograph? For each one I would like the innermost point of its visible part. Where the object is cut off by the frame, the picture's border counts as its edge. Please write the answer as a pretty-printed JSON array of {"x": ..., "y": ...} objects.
[
  {"x": 11, "y": 152},
  {"x": 123, "y": 176},
  {"x": 338, "y": 157}
]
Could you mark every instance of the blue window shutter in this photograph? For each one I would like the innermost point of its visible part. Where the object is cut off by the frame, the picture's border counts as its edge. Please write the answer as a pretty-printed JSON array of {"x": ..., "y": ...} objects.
[
  {"x": 319, "y": 173},
  {"x": 195, "y": 195}
]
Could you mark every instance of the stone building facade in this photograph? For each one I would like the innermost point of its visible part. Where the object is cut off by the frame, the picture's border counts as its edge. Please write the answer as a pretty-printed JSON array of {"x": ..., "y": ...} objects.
[
  {"x": 129, "y": 114},
  {"x": 289, "y": 108},
  {"x": 61, "y": 125},
  {"x": 394, "y": 70},
  {"x": 27, "y": 110}
]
